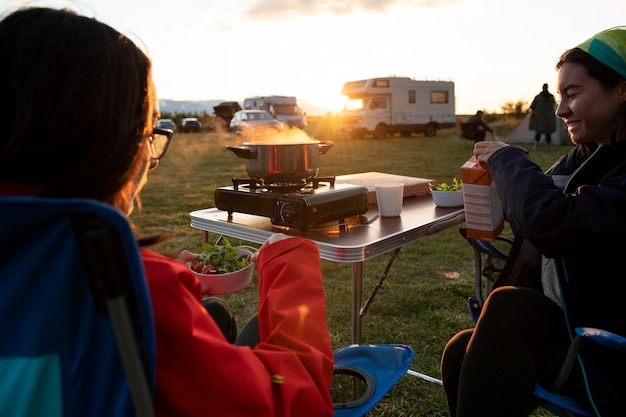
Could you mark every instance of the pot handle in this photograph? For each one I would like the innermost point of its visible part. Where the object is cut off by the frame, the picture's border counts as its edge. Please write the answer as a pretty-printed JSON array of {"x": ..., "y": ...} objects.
[
  {"x": 324, "y": 146},
  {"x": 242, "y": 152}
]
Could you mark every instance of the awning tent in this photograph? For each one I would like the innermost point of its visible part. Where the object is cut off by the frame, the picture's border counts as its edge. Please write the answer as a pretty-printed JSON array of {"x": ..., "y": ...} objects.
[{"x": 522, "y": 134}]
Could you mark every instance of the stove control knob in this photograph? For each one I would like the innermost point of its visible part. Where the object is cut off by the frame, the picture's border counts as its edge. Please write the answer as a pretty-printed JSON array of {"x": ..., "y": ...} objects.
[{"x": 287, "y": 213}]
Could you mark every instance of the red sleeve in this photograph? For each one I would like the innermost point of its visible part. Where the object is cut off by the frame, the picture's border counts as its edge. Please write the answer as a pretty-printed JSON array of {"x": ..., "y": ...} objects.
[{"x": 199, "y": 373}]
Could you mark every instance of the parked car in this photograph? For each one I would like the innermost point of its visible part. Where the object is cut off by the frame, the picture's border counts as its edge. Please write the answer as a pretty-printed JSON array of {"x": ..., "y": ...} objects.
[
  {"x": 250, "y": 122},
  {"x": 166, "y": 124},
  {"x": 226, "y": 110},
  {"x": 190, "y": 124}
]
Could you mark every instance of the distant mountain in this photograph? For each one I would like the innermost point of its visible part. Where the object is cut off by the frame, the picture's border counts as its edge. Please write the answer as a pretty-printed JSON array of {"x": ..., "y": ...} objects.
[{"x": 189, "y": 107}]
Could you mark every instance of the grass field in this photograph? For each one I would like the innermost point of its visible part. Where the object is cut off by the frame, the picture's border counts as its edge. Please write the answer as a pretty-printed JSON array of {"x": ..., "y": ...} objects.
[{"x": 418, "y": 305}]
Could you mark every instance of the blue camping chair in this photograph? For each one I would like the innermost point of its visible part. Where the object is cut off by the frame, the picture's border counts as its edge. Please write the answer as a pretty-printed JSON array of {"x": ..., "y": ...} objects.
[
  {"x": 489, "y": 261},
  {"x": 76, "y": 332},
  {"x": 485, "y": 253},
  {"x": 364, "y": 374}
]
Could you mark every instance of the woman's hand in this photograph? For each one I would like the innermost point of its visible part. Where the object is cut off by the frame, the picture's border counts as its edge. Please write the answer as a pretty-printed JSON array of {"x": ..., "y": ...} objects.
[
  {"x": 187, "y": 257},
  {"x": 272, "y": 239},
  {"x": 484, "y": 150}
]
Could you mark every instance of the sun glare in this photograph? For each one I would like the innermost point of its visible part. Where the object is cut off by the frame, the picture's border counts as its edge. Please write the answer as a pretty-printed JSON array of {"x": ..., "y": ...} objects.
[{"x": 327, "y": 103}]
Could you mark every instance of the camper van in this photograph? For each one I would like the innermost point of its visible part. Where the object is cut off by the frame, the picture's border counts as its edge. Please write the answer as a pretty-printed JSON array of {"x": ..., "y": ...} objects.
[
  {"x": 283, "y": 108},
  {"x": 389, "y": 105}
]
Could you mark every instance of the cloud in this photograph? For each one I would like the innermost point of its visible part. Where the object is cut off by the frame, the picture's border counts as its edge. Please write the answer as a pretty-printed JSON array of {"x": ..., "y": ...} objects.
[{"x": 274, "y": 9}]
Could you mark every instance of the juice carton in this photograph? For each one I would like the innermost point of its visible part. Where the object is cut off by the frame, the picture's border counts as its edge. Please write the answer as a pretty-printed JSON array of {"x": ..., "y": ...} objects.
[{"x": 484, "y": 216}]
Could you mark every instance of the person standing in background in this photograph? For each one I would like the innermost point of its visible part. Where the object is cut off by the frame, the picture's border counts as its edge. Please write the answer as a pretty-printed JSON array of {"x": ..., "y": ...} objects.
[{"x": 542, "y": 118}]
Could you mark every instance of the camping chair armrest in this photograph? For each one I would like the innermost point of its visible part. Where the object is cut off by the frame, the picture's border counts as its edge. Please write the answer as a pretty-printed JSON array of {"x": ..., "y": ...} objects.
[
  {"x": 507, "y": 239},
  {"x": 586, "y": 334},
  {"x": 489, "y": 248},
  {"x": 568, "y": 363},
  {"x": 602, "y": 337},
  {"x": 482, "y": 247},
  {"x": 485, "y": 246}
]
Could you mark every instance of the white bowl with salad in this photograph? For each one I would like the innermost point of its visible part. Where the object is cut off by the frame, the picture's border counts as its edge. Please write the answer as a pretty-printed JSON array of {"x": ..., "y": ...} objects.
[{"x": 223, "y": 268}]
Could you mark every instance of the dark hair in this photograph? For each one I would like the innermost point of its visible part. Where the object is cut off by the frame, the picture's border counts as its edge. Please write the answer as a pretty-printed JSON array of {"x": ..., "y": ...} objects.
[
  {"x": 76, "y": 106},
  {"x": 606, "y": 76}
]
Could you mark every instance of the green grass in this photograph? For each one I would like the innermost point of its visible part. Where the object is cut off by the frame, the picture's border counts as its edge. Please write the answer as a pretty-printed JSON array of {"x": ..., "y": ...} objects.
[{"x": 417, "y": 304}]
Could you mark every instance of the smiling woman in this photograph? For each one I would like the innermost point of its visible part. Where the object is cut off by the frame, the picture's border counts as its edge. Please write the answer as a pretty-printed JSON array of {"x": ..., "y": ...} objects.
[{"x": 536, "y": 321}]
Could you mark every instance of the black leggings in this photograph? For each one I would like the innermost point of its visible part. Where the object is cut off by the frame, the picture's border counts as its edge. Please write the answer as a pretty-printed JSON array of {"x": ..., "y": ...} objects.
[
  {"x": 520, "y": 338},
  {"x": 221, "y": 313}
]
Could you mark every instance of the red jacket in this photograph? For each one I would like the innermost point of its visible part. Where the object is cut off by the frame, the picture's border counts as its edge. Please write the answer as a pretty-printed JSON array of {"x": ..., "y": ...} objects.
[{"x": 200, "y": 374}]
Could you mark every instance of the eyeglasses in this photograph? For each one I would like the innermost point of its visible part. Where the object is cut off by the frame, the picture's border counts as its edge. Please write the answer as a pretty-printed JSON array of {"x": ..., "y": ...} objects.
[{"x": 159, "y": 141}]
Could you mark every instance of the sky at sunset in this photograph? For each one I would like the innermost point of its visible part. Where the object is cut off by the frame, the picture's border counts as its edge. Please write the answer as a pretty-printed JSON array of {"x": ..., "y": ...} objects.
[{"x": 495, "y": 51}]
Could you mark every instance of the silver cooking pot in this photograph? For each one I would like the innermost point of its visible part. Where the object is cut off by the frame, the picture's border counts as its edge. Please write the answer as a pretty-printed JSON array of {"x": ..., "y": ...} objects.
[{"x": 282, "y": 162}]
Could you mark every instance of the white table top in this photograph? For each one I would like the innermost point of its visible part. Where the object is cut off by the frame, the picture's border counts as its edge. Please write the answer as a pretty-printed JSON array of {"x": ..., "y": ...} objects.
[{"x": 352, "y": 242}]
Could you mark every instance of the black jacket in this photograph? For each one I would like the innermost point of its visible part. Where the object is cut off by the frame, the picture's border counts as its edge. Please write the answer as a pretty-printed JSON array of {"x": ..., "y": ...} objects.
[{"x": 583, "y": 228}]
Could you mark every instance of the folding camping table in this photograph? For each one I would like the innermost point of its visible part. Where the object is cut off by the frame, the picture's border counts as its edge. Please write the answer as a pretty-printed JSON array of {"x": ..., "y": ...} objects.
[{"x": 356, "y": 240}]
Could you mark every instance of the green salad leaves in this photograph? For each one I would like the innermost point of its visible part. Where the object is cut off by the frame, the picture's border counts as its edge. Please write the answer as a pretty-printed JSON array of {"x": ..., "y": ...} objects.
[
  {"x": 221, "y": 257},
  {"x": 455, "y": 186}
]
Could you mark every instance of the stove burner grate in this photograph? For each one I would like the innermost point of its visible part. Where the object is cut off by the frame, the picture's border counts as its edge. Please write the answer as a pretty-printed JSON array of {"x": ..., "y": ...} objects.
[{"x": 308, "y": 183}]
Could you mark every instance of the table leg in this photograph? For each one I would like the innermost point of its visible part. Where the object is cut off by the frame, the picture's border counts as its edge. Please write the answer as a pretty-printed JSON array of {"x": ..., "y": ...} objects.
[
  {"x": 357, "y": 296},
  {"x": 380, "y": 282},
  {"x": 359, "y": 309}
]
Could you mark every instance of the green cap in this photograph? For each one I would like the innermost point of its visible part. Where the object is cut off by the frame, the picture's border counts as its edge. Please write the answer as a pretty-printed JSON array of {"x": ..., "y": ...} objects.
[{"x": 608, "y": 47}]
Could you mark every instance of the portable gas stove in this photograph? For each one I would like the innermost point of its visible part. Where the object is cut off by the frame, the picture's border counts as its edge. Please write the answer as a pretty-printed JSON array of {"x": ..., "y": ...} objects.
[{"x": 312, "y": 202}]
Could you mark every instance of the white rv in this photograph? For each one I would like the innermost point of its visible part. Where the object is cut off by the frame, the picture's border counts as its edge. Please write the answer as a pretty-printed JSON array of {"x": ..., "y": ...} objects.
[
  {"x": 387, "y": 105},
  {"x": 283, "y": 108}
]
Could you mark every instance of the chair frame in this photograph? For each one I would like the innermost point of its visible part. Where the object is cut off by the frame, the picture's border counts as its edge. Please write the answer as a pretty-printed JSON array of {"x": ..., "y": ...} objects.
[{"x": 97, "y": 237}]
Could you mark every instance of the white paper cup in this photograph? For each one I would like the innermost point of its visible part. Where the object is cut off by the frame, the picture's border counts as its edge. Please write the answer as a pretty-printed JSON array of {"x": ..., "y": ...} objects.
[{"x": 389, "y": 196}]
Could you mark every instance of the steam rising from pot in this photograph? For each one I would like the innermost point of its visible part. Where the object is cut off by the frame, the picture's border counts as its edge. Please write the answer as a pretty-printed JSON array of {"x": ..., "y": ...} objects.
[{"x": 292, "y": 136}]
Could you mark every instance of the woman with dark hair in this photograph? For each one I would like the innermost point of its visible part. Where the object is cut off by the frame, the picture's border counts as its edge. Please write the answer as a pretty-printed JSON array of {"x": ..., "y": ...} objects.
[
  {"x": 76, "y": 108},
  {"x": 575, "y": 216},
  {"x": 78, "y": 111}
]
